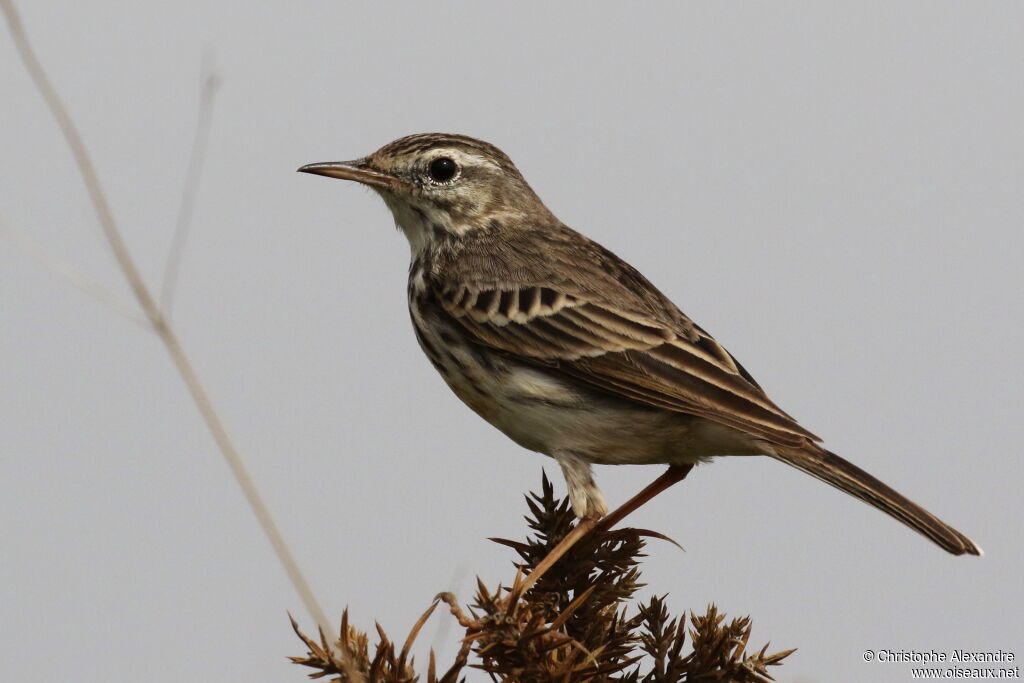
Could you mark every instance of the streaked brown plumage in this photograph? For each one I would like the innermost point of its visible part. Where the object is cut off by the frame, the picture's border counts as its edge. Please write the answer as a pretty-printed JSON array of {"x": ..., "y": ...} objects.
[{"x": 568, "y": 349}]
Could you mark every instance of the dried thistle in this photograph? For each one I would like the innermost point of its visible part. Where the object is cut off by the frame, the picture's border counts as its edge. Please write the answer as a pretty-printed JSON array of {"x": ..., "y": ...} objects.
[
  {"x": 573, "y": 624},
  {"x": 348, "y": 658}
]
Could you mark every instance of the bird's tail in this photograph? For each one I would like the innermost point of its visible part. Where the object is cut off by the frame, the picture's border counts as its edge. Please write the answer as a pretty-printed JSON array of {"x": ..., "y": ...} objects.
[{"x": 832, "y": 469}]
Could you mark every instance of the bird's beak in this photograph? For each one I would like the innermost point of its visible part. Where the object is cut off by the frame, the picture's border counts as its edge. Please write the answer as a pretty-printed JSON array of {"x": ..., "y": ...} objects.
[{"x": 357, "y": 170}]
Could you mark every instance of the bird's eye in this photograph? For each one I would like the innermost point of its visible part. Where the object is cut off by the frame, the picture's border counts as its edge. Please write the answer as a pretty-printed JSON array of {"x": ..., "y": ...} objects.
[{"x": 442, "y": 169}]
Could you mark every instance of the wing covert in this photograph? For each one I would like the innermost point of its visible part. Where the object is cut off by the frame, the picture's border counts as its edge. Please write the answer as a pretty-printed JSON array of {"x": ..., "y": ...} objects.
[{"x": 620, "y": 352}]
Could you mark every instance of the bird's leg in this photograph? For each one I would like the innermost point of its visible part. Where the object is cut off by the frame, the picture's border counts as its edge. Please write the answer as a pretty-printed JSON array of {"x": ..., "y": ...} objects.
[
  {"x": 592, "y": 520},
  {"x": 673, "y": 475},
  {"x": 585, "y": 497},
  {"x": 588, "y": 504}
]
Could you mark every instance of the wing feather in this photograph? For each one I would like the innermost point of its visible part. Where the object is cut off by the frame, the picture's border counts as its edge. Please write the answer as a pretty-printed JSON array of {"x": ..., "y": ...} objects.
[{"x": 623, "y": 353}]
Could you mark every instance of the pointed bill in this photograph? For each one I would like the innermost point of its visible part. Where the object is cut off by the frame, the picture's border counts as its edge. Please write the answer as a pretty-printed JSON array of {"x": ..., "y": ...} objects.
[{"x": 357, "y": 170}]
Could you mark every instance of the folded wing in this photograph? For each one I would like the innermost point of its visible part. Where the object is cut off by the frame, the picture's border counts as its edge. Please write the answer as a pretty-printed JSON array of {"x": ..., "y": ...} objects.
[{"x": 630, "y": 355}]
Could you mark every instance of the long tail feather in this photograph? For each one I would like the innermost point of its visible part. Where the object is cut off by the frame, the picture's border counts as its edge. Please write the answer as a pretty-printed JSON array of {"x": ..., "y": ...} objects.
[{"x": 831, "y": 469}]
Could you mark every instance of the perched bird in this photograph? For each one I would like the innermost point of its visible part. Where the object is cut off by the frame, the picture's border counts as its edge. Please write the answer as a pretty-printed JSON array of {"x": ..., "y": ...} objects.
[{"x": 568, "y": 349}]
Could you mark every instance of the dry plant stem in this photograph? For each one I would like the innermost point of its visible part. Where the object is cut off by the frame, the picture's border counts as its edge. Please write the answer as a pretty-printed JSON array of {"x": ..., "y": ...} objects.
[
  {"x": 582, "y": 528},
  {"x": 190, "y": 191},
  {"x": 75, "y": 277},
  {"x": 156, "y": 319},
  {"x": 672, "y": 475}
]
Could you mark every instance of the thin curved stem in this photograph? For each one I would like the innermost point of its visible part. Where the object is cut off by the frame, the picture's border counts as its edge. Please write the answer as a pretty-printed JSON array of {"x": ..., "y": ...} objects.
[
  {"x": 190, "y": 190},
  {"x": 72, "y": 275},
  {"x": 153, "y": 313}
]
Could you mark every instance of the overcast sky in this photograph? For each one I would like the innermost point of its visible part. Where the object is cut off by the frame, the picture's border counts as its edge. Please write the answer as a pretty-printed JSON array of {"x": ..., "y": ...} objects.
[{"x": 837, "y": 195}]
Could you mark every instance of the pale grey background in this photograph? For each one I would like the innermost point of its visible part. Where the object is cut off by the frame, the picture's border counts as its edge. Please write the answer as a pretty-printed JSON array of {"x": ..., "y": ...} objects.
[{"x": 835, "y": 193}]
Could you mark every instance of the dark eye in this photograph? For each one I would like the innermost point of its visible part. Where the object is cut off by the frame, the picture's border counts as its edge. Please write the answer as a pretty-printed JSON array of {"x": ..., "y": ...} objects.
[{"x": 442, "y": 169}]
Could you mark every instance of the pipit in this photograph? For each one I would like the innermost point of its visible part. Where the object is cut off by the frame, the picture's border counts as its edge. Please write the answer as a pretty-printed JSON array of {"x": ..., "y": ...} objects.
[{"x": 568, "y": 349}]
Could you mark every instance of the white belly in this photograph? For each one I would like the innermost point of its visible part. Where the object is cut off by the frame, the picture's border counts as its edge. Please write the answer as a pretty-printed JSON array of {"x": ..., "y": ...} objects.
[
  {"x": 544, "y": 413},
  {"x": 548, "y": 414}
]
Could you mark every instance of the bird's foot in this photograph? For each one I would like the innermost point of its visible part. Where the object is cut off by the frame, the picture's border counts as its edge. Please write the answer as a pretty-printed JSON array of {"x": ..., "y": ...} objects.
[{"x": 585, "y": 497}]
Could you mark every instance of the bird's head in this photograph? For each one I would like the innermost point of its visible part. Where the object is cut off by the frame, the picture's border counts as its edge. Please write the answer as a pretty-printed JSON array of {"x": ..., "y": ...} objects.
[{"x": 441, "y": 185}]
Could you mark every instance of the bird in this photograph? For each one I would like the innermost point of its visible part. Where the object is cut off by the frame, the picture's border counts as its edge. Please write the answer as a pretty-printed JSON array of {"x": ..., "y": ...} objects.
[{"x": 569, "y": 350}]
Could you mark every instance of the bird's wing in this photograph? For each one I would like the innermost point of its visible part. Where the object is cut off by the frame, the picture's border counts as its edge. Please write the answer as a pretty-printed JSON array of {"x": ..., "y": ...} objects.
[{"x": 646, "y": 358}]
